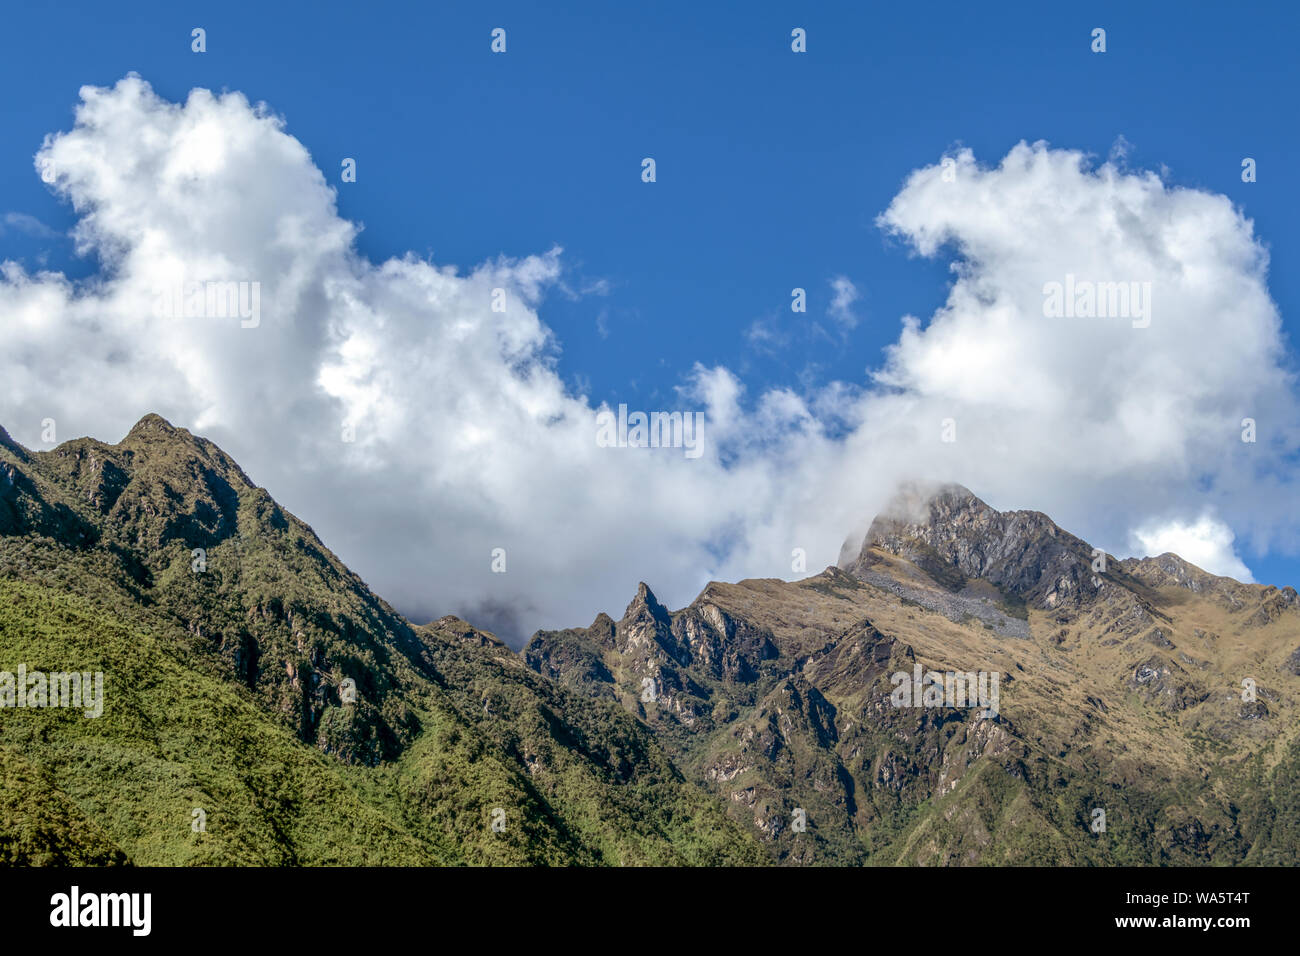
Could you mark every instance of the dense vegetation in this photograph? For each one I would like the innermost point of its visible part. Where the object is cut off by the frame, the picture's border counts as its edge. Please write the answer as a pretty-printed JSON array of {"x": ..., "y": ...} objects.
[{"x": 261, "y": 683}]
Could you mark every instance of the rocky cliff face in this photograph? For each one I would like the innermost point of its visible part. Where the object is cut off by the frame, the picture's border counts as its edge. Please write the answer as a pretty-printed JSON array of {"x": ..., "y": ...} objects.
[
  {"x": 953, "y": 536},
  {"x": 780, "y": 696}
]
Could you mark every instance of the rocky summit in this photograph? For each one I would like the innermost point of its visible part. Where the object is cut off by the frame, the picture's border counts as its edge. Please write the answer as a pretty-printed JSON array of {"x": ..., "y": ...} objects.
[{"x": 966, "y": 687}]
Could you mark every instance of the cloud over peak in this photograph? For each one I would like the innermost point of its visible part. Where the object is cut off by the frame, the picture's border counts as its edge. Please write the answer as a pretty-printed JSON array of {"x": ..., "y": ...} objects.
[{"x": 412, "y": 414}]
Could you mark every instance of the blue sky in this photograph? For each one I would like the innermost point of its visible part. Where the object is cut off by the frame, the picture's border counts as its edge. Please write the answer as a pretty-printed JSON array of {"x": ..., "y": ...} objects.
[{"x": 771, "y": 167}]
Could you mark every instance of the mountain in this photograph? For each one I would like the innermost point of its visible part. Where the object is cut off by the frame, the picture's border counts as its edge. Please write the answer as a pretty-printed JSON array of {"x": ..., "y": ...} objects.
[
  {"x": 262, "y": 706},
  {"x": 966, "y": 686},
  {"x": 1120, "y": 691}
]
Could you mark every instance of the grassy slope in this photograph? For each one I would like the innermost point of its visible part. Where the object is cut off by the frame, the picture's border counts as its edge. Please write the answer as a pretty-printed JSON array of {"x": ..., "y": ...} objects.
[
  {"x": 222, "y": 693},
  {"x": 173, "y": 738}
]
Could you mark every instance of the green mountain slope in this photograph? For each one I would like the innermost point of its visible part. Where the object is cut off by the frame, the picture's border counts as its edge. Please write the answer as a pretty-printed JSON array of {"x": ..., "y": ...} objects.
[{"x": 248, "y": 674}]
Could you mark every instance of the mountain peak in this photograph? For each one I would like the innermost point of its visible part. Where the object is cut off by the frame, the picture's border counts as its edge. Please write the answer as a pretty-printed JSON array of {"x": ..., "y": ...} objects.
[
  {"x": 917, "y": 503},
  {"x": 155, "y": 439},
  {"x": 645, "y": 596},
  {"x": 933, "y": 512},
  {"x": 952, "y": 535},
  {"x": 156, "y": 436},
  {"x": 7, "y": 442},
  {"x": 645, "y": 600},
  {"x": 153, "y": 426}
]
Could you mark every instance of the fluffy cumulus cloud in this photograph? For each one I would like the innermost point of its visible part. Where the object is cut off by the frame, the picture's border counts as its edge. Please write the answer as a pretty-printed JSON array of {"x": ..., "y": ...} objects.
[
  {"x": 466, "y": 440},
  {"x": 1103, "y": 418}
]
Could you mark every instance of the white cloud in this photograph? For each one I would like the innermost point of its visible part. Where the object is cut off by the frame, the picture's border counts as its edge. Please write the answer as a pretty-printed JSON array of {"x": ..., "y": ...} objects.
[
  {"x": 1111, "y": 421},
  {"x": 1206, "y": 542},
  {"x": 468, "y": 440}
]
